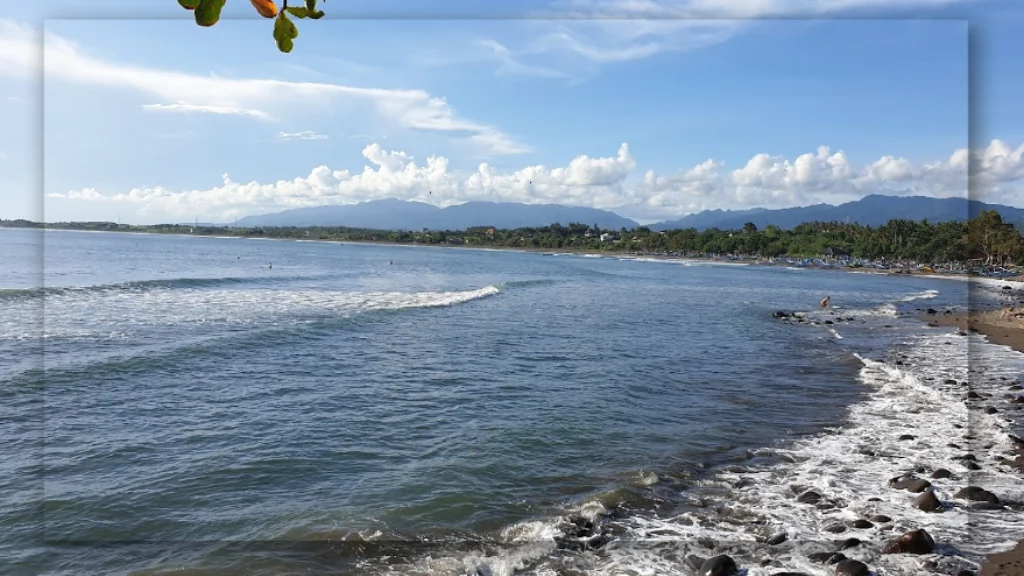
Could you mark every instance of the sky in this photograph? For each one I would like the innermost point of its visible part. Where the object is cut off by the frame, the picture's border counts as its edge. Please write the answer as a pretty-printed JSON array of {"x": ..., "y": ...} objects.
[{"x": 650, "y": 108}]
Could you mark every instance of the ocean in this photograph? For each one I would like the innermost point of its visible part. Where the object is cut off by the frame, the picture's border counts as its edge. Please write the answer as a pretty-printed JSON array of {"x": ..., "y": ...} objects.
[{"x": 197, "y": 405}]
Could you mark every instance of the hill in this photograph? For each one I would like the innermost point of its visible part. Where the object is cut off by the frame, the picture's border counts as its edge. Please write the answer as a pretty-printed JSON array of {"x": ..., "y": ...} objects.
[
  {"x": 874, "y": 210},
  {"x": 404, "y": 215}
]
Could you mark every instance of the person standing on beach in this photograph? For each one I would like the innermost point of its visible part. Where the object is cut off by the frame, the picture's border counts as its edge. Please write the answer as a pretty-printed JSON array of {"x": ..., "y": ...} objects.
[{"x": 824, "y": 303}]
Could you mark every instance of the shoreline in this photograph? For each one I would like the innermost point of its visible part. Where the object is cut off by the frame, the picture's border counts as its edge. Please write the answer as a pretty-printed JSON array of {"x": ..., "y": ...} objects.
[
  {"x": 577, "y": 252},
  {"x": 1004, "y": 326}
]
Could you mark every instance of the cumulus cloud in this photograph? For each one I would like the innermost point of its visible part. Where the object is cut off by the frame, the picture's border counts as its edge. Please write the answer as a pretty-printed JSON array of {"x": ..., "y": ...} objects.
[
  {"x": 607, "y": 182},
  {"x": 303, "y": 135},
  {"x": 262, "y": 99}
]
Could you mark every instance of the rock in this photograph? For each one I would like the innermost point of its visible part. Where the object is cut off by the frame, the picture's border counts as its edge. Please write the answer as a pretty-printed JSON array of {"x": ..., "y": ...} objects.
[
  {"x": 986, "y": 506},
  {"x": 973, "y": 395},
  {"x": 881, "y": 518},
  {"x": 927, "y": 502},
  {"x": 972, "y": 465},
  {"x": 850, "y": 543},
  {"x": 835, "y": 528},
  {"x": 826, "y": 557},
  {"x": 809, "y": 497},
  {"x": 777, "y": 539},
  {"x": 941, "y": 473},
  {"x": 966, "y": 573},
  {"x": 914, "y": 542},
  {"x": 718, "y": 566},
  {"x": 862, "y": 524},
  {"x": 695, "y": 562},
  {"x": 910, "y": 483},
  {"x": 907, "y": 437},
  {"x": 991, "y": 410},
  {"x": 949, "y": 381},
  {"x": 932, "y": 311},
  {"x": 780, "y": 314},
  {"x": 852, "y": 568},
  {"x": 743, "y": 483}
]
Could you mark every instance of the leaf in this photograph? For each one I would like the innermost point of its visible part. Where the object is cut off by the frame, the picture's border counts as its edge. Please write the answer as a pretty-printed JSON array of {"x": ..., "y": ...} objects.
[
  {"x": 311, "y": 10},
  {"x": 189, "y": 4},
  {"x": 298, "y": 12},
  {"x": 208, "y": 12},
  {"x": 284, "y": 32}
]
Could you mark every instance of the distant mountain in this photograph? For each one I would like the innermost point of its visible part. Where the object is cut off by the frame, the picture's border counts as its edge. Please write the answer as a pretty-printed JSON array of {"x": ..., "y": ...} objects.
[
  {"x": 403, "y": 215},
  {"x": 873, "y": 210}
]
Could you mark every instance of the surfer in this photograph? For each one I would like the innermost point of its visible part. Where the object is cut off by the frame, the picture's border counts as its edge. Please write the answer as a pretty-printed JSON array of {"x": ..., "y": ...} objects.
[
  {"x": 271, "y": 265},
  {"x": 824, "y": 303},
  {"x": 390, "y": 263}
]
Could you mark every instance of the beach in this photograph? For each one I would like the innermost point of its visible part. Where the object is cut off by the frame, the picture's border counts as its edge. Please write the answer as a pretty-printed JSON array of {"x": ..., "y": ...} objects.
[{"x": 1003, "y": 326}]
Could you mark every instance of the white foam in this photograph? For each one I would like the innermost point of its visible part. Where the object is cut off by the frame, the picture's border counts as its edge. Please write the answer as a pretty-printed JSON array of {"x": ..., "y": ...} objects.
[
  {"x": 85, "y": 314},
  {"x": 926, "y": 295},
  {"x": 915, "y": 401}
]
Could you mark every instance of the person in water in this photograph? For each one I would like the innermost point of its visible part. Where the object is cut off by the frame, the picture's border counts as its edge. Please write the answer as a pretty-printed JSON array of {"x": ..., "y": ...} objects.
[{"x": 824, "y": 303}]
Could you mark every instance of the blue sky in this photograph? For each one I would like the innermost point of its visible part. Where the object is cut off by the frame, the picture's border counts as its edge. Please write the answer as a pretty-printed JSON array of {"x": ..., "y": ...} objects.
[{"x": 150, "y": 118}]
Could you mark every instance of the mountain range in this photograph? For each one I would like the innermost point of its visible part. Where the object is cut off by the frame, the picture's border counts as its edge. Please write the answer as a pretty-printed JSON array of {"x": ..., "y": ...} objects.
[{"x": 873, "y": 210}]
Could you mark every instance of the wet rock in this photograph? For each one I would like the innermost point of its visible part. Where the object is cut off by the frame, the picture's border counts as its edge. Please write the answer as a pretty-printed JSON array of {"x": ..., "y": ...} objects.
[
  {"x": 780, "y": 314},
  {"x": 826, "y": 557},
  {"x": 986, "y": 506},
  {"x": 718, "y": 566},
  {"x": 966, "y": 573},
  {"x": 694, "y": 561},
  {"x": 991, "y": 410},
  {"x": 907, "y": 437},
  {"x": 932, "y": 311},
  {"x": 743, "y": 483},
  {"x": 835, "y": 528},
  {"x": 862, "y": 524},
  {"x": 852, "y": 568},
  {"x": 880, "y": 518},
  {"x": 973, "y": 395},
  {"x": 949, "y": 381},
  {"x": 809, "y": 497},
  {"x": 850, "y": 543},
  {"x": 790, "y": 574},
  {"x": 972, "y": 465},
  {"x": 777, "y": 539},
  {"x": 914, "y": 542},
  {"x": 910, "y": 483},
  {"x": 927, "y": 502},
  {"x": 941, "y": 473}
]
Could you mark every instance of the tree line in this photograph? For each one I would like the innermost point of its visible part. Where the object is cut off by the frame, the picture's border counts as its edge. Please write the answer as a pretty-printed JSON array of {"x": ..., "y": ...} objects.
[{"x": 985, "y": 239}]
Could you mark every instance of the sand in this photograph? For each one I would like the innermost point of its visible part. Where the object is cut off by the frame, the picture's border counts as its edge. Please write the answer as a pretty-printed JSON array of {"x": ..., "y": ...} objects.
[{"x": 1002, "y": 326}]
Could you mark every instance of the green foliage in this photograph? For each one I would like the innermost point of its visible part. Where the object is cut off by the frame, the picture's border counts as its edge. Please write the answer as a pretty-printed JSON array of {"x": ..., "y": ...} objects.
[
  {"x": 982, "y": 242},
  {"x": 207, "y": 13},
  {"x": 285, "y": 32}
]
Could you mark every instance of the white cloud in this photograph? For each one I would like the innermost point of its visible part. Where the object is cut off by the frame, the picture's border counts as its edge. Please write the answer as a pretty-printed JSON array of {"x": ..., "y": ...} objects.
[
  {"x": 590, "y": 33},
  {"x": 206, "y": 109},
  {"x": 602, "y": 182},
  {"x": 303, "y": 135},
  {"x": 258, "y": 98}
]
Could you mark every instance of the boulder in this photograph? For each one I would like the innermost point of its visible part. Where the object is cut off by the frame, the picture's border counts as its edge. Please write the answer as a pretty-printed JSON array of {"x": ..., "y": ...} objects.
[
  {"x": 927, "y": 502},
  {"x": 721, "y": 565},
  {"x": 914, "y": 542},
  {"x": 850, "y": 567},
  {"x": 941, "y": 473}
]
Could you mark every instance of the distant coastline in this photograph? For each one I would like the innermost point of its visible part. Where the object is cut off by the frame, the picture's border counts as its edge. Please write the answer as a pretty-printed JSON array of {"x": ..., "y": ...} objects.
[{"x": 984, "y": 246}]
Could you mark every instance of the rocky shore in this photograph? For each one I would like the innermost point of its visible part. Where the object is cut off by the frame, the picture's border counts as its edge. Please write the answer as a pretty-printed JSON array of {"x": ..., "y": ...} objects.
[{"x": 1004, "y": 326}]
